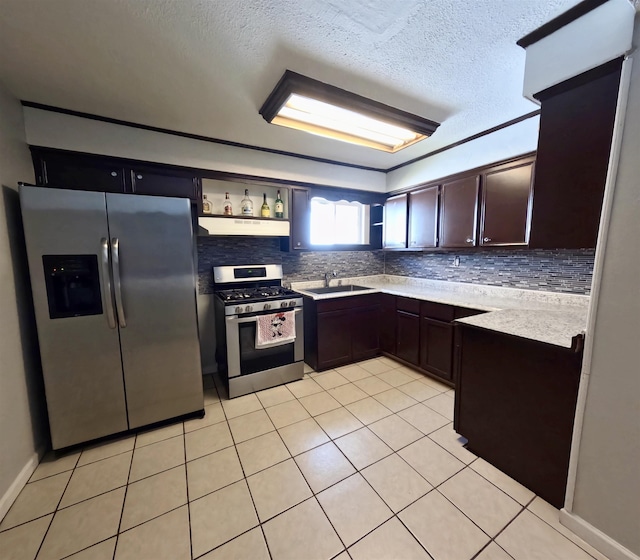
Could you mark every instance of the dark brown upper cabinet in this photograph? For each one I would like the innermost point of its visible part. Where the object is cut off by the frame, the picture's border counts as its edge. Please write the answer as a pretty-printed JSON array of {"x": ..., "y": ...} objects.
[
  {"x": 82, "y": 172},
  {"x": 159, "y": 182},
  {"x": 506, "y": 204},
  {"x": 459, "y": 212},
  {"x": 395, "y": 222},
  {"x": 576, "y": 128},
  {"x": 423, "y": 218},
  {"x": 300, "y": 220}
]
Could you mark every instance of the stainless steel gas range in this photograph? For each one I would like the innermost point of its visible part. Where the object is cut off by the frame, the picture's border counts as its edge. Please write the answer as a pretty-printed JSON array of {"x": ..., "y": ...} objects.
[{"x": 248, "y": 299}]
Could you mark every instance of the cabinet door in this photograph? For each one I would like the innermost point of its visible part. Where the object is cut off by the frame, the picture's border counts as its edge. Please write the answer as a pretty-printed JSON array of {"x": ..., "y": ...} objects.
[
  {"x": 423, "y": 218},
  {"x": 388, "y": 323},
  {"x": 408, "y": 337},
  {"x": 436, "y": 349},
  {"x": 160, "y": 183},
  {"x": 459, "y": 212},
  {"x": 365, "y": 338},
  {"x": 576, "y": 127},
  {"x": 506, "y": 198},
  {"x": 80, "y": 172},
  {"x": 395, "y": 222},
  {"x": 299, "y": 219},
  {"x": 334, "y": 344}
]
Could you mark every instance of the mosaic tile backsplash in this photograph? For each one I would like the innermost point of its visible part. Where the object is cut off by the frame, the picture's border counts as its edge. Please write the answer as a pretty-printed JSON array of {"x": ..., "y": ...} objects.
[
  {"x": 559, "y": 270},
  {"x": 566, "y": 271}
]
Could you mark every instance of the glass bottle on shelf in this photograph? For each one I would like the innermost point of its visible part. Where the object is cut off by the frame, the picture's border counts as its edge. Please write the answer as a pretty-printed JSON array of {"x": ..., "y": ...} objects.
[
  {"x": 206, "y": 205},
  {"x": 265, "y": 211},
  {"x": 279, "y": 206},
  {"x": 246, "y": 204},
  {"x": 228, "y": 210}
]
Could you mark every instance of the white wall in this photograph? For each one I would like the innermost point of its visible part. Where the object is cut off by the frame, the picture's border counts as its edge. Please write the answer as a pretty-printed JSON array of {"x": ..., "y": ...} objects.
[
  {"x": 508, "y": 142},
  {"x": 55, "y": 130},
  {"x": 22, "y": 429},
  {"x": 604, "y": 507}
]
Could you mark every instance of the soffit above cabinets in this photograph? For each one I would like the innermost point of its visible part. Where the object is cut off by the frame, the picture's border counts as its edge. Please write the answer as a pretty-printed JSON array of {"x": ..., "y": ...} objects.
[{"x": 205, "y": 68}]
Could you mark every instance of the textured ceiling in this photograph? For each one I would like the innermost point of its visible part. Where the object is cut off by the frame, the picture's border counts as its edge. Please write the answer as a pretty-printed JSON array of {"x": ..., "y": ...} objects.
[{"x": 206, "y": 66}]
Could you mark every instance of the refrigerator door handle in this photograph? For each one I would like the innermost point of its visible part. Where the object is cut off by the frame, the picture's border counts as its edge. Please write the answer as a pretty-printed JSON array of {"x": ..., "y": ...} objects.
[
  {"x": 106, "y": 283},
  {"x": 115, "y": 262}
]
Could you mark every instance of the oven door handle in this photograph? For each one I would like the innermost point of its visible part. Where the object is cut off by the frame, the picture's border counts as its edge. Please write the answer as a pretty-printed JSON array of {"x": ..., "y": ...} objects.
[{"x": 254, "y": 318}]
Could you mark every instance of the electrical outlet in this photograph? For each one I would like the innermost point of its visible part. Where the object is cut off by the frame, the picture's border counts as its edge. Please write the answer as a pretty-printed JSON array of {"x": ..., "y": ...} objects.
[{"x": 456, "y": 261}]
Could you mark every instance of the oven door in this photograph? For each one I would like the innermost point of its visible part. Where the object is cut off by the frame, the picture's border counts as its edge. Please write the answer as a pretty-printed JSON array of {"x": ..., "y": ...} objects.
[{"x": 243, "y": 358}]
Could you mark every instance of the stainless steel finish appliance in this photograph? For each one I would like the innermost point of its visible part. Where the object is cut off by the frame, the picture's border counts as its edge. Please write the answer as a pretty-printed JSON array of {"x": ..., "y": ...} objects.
[
  {"x": 242, "y": 294},
  {"x": 113, "y": 282}
]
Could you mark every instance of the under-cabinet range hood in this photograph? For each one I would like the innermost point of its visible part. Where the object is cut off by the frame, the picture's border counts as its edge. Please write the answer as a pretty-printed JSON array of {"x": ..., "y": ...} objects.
[{"x": 243, "y": 226}]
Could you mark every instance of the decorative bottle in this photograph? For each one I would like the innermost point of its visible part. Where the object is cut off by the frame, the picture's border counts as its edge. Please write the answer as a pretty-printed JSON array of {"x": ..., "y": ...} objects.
[
  {"x": 265, "y": 211},
  {"x": 228, "y": 210},
  {"x": 246, "y": 204},
  {"x": 279, "y": 207},
  {"x": 206, "y": 205}
]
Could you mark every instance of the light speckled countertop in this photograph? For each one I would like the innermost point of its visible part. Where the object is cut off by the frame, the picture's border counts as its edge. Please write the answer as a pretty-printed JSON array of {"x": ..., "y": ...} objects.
[{"x": 549, "y": 317}]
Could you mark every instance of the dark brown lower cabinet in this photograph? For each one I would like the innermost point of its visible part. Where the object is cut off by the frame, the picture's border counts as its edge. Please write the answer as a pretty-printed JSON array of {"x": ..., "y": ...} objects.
[
  {"x": 388, "y": 323},
  {"x": 408, "y": 336},
  {"x": 515, "y": 402},
  {"x": 436, "y": 347},
  {"x": 341, "y": 331}
]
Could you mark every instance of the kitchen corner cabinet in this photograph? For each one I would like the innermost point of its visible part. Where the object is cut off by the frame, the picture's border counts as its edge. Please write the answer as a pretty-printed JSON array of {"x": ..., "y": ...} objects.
[
  {"x": 459, "y": 212},
  {"x": 395, "y": 222},
  {"x": 420, "y": 333},
  {"x": 576, "y": 129},
  {"x": 506, "y": 203},
  {"x": 423, "y": 218},
  {"x": 515, "y": 402},
  {"x": 341, "y": 330}
]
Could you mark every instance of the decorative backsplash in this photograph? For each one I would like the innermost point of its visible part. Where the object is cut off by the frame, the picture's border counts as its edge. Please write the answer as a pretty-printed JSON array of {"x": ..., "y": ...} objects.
[{"x": 559, "y": 270}]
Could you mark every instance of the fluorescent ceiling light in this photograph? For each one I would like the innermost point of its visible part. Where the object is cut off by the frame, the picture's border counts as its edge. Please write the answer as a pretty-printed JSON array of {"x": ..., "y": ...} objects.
[{"x": 306, "y": 104}]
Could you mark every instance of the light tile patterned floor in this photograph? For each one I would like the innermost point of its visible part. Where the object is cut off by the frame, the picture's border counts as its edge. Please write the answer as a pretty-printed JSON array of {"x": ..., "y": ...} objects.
[{"x": 356, "y": 463}]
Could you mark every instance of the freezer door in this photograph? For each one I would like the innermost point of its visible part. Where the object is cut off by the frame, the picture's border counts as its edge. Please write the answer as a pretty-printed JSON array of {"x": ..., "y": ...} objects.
[
  {"x": 154, "y": 285},
  {"x": 74, "y": 313}
]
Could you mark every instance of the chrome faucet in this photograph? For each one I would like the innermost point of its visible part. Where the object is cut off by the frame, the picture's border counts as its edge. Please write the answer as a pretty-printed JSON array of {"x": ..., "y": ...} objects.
[{"x": 327, "y": 277}]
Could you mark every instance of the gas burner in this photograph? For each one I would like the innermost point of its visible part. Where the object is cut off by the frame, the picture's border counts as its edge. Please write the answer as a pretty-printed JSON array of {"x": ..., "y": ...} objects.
[{"x": 255, "y": 294}]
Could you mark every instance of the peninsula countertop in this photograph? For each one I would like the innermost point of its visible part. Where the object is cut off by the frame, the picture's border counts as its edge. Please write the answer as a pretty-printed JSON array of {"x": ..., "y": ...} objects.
[{"x": 549, "y": 317}]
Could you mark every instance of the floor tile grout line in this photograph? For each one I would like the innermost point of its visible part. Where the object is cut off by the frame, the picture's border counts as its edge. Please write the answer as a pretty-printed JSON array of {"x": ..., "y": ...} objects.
[
  {"x": 264, "y": 536},
  {"x": 186, "y": 484},
  {"x": 56, "y": 509},
  {"x": 124, "y": 499},
  {"x": 556, "y": 530}
]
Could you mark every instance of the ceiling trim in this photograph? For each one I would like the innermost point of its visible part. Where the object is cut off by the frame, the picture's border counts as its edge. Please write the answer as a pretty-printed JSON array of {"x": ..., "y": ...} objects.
[
  {"x": 110, "y": 120},
  {"x": 467, "y": 139},
  {"x": 559, "y": 22}
]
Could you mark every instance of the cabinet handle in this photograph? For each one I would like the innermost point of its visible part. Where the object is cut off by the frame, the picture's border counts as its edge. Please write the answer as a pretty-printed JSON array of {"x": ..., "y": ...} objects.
[
  {"x": 486, "y": 239},
  {"x": 114, "y": 174},
  {"x": 469, "y": 239},
  {"x": 138, "y": 176},
  {"x": 298, "y": 243}
]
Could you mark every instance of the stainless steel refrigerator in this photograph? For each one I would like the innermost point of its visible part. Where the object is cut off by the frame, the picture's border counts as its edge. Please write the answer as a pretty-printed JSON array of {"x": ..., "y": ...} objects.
[{"x": 113, "y": 280}]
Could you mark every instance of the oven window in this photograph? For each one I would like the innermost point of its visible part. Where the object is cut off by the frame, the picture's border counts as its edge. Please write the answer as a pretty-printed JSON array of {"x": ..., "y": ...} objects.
[{"x": 253, "y": 360}]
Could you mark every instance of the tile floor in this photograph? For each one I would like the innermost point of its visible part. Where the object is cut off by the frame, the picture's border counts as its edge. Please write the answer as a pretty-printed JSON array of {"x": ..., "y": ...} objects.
[{"x": 356, "y": 463}]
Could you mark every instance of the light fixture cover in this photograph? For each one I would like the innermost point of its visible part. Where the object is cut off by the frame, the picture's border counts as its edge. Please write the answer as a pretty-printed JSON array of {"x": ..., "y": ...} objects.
[{"x": 306, "y": 104}]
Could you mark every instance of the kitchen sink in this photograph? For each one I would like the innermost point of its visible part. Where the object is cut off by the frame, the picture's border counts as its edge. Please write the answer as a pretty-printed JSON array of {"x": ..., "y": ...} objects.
[{"x": 337, "y": 289}]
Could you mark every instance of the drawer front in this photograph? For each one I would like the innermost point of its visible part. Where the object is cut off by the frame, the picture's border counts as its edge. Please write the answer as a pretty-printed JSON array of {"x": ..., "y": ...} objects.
[
  {"x": 409, "y": 305},
  {"x": 346, "y": 302},
  {"x": 438, "y": 311}
]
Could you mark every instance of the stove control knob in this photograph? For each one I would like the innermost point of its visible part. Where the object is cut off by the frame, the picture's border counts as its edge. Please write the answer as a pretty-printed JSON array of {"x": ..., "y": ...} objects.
[
  {"x": 283, "y": 304},
  {"x": 266, "y": 306},
  {"x": 248, "y": 309},
  {"x": 238, "y": 309},
  {"x": 292, "y": 303}
]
